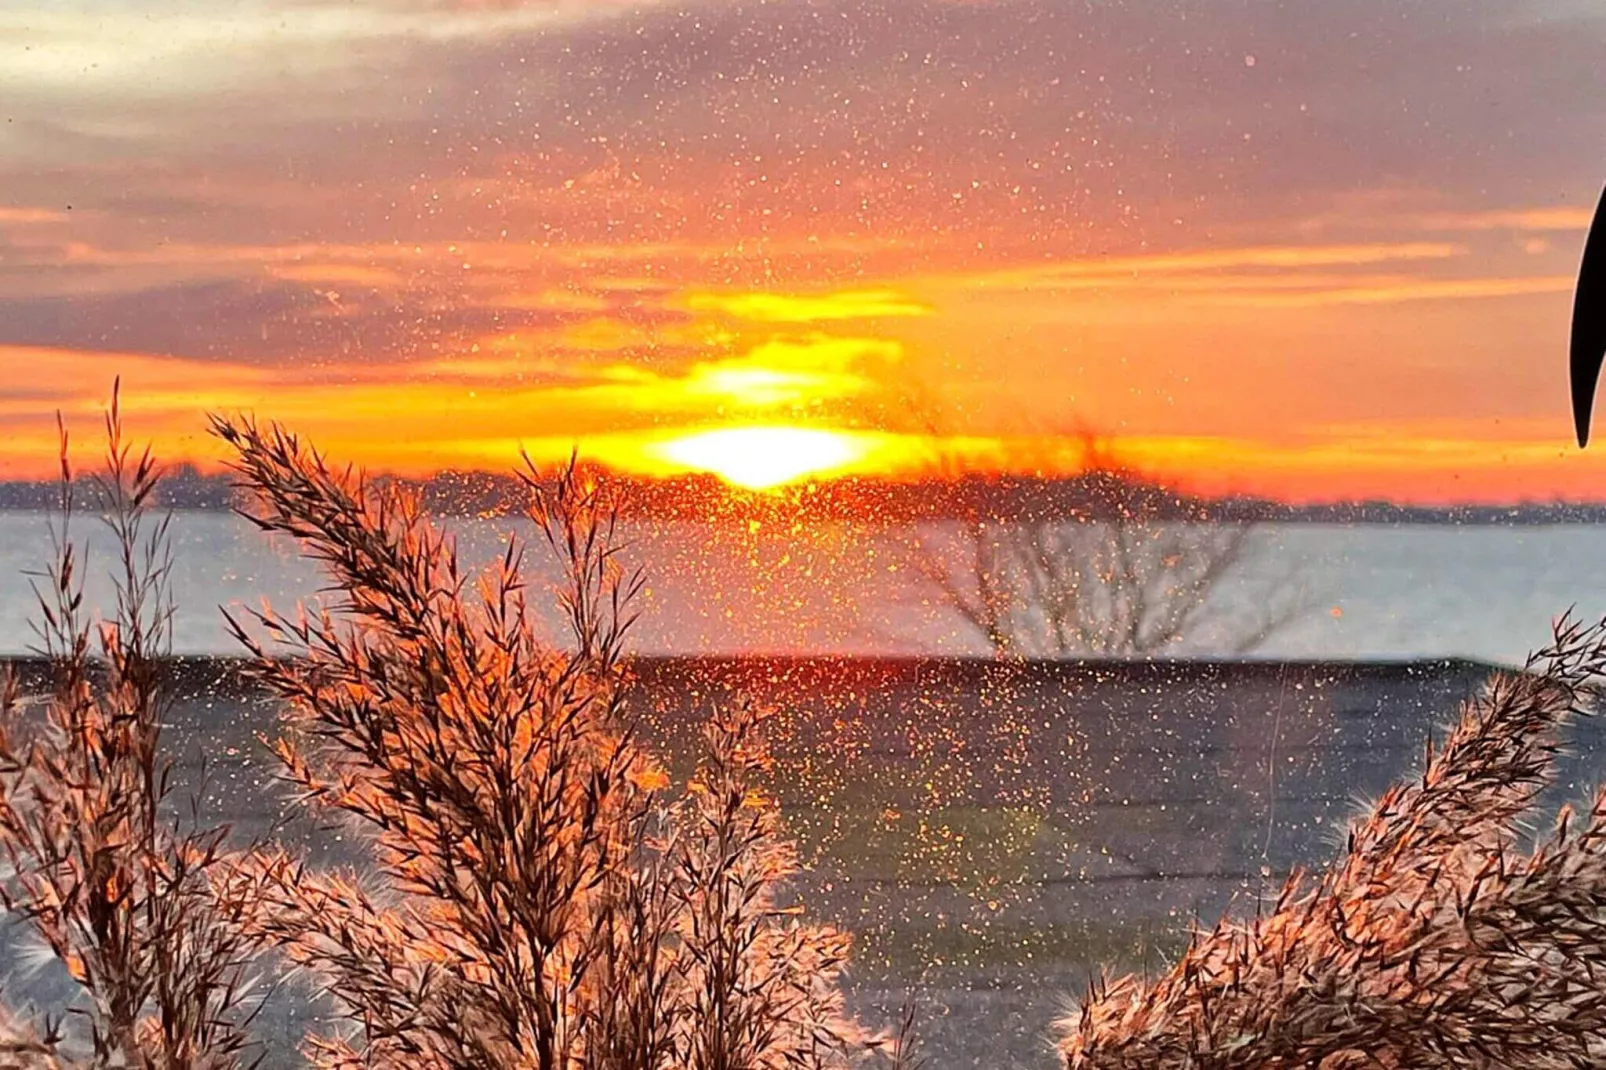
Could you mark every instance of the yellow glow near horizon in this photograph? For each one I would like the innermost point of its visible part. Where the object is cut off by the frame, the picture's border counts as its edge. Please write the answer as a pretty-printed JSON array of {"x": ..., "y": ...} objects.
[{"x": 762, "y": 458}]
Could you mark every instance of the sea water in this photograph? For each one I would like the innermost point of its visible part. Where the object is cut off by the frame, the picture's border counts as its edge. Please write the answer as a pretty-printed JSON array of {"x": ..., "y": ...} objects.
[{"x": 1484, "y": 592}]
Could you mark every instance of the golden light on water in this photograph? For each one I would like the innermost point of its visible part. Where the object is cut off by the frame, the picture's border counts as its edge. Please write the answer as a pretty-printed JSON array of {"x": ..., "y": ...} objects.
[{"x": 762, "y": 458}]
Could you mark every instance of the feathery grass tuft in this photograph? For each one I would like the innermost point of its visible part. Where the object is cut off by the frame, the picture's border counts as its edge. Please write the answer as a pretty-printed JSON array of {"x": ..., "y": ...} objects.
[
  {"x": 1436, "y": 940},
  {"x": 145, "y": 916},
  {"x": 539, "y": 899}
]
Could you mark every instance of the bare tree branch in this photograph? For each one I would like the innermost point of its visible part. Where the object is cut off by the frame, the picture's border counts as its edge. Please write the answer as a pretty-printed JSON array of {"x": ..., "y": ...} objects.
[{"x": 1122, "y": 584}]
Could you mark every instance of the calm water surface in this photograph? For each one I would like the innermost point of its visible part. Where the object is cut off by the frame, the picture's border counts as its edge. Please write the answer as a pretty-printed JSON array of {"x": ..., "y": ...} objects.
[{"x": 1390, "y": 592}]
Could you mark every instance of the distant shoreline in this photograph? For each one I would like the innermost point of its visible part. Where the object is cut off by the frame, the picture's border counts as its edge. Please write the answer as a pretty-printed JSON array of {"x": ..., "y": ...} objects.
[
  {"x": 228, "y": 675},
  {"x": 1379, "y": 514},
  {"x": 1093, "y": 497}
]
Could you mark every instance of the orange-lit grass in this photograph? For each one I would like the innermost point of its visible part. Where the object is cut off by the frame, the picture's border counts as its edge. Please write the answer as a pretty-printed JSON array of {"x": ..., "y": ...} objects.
[
  {"x": 148, "y": 919},
  {"x": 1438, "y": 940},
  {"x": 538, "y": 899}
]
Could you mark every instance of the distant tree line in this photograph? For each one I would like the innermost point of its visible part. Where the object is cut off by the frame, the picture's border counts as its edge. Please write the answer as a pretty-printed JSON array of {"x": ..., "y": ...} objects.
[{"x": 1009, "y": 498}]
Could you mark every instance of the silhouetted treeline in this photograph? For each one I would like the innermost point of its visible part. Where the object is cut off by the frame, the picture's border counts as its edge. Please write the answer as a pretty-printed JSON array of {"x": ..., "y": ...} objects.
[
  {"x": 182, "y": 487},
  {"x": 1095, "y": 496}
]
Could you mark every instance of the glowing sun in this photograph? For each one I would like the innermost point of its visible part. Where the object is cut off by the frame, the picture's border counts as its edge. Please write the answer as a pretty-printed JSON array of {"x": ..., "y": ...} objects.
[{"x": 764, "y": 457}]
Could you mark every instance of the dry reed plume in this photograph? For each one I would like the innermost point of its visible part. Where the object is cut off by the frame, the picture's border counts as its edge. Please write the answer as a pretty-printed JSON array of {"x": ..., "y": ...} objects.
[
  {"x": 537, "y": 899},
  {"x": 145, "y": 917},
  {"x": 1437, "y": 940}
]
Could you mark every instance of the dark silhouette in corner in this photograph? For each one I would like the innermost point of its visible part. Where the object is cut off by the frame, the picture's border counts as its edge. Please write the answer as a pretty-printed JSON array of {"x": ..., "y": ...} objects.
[{"x": 1589, "y": 324}]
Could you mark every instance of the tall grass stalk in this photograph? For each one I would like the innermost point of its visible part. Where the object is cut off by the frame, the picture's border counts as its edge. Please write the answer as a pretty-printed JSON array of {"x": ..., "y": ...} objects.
[
  {"x": 1441, "y": 938},
  {"x": 145, "y": 913},
  {"x": 537, "y": 897}
]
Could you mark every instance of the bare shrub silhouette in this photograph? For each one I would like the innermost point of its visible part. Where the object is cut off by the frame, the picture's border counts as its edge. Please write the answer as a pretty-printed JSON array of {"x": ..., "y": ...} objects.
[
  {"x": 145, "y": 913},
  {"x": 538, "y": 898},
  {"x": 1439, "y": 939},
  {"x": 1123, "y": 583}
]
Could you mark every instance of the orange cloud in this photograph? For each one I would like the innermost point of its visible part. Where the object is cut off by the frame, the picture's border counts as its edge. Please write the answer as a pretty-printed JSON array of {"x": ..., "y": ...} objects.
[
  {"x": 32, "y": 215},
  {"x": 654, "y": 230},
  {"x": 1254, "y": 276},
  {"x": 421, "y": 424},
  {"x": 1093, "y": 272},
  {"x": 1399, "y": 291},
  {"x": 794, "y": 372},
  {"x": 1557, "y": 218},
  {"x": 795, "y": 308},
  {"x": 631, "y": 347},
  {"x": 338, "y": 274},
  {"x": 472, "y": 409}
]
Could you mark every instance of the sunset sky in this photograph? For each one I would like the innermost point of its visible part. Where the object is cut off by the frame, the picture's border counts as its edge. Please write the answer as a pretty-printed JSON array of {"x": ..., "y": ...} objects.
[{"x": 1311, "y": 248}]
